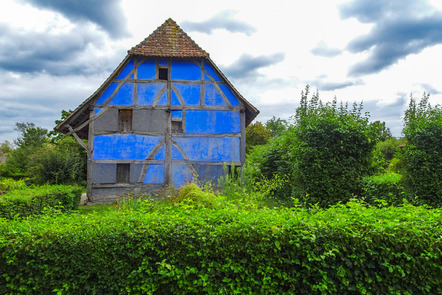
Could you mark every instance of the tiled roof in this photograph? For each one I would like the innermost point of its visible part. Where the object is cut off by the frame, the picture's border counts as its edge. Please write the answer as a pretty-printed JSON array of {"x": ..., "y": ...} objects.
[{"x": 168, "y": 40}]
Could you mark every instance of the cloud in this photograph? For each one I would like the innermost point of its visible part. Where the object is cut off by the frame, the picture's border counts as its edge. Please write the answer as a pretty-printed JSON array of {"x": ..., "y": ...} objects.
[
  {"x": 56, "y": 54},
  {"x": 224, "y": 20},
  {"x": 400, "y": 28},
  {"x": 430, "y": 89},
  {"x": 39, "y": 98},
  {"x": 247, "y": 66},
  {"x": 322, "y": 85},
  {"x": 323, "y": 50},
  {"x": 107, "y": 14}
]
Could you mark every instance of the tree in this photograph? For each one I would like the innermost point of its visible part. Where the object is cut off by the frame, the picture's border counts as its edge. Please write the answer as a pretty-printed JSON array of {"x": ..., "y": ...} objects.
[
  {"x": 256, "y": 134},
  {"x": 276, "y": 126},
  {"x": 324, "y": 154},
  {"x": 381, "y": 132},
  {"x": 423, "y": 151}
]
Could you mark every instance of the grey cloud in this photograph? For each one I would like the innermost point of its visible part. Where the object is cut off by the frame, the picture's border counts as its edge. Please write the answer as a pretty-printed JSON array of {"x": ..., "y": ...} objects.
[
  {"x": 430, "y": 89},
  {"x": 224, "y": 20},
  {"x": 400, "y": 28},
  {"x": 247, "y": 66},
  {"x": 56, "y": 54},
  {"x": 322, "y": 85},
  {"x": 323, "y": 50},
  {"x": 107, "y": 14}
]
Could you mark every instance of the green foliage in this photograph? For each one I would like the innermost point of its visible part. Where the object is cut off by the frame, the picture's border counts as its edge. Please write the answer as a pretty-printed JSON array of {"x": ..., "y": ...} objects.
[
  {"x": 388, "y": 150},
  {"x": 423, "y": 151},
  {"x": 386, "y": 187},
  {"x": 380, "y": 130},
  {"x": 256, "y": 134},
  {"x": 63, "y": 163},
  {"x": 324, "y": 155},
  {"x": 276, "y": 126},
  {"x": 347, "y": 249},
  {"x": 31, "y": 201}
]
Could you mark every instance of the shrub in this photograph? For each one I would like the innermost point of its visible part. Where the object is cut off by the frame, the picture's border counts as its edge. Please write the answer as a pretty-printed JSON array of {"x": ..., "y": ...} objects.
[
  {"x": 347, "y": 249},
  {"x": 324, "y": 154},
  {"x": 32, "y": 201},
  {"x": 385, "y": 187},
  {"x": 423, "y": 152}
]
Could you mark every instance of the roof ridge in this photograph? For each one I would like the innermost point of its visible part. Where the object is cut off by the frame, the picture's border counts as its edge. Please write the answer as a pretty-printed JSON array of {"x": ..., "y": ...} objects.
[{"x": 168, "y": 40}]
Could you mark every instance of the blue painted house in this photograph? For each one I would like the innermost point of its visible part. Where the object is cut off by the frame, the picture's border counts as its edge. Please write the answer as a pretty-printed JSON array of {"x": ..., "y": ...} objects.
[{"x": 164, "y": 116}]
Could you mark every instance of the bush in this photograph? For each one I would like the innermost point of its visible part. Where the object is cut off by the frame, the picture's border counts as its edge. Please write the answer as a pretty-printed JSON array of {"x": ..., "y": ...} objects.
[
  {"x": 32, "y": 201},
  {"x": 324, "y": 154},
  {"x": 347, "y": 249},
  {"x": 423, "y": 152},
  {"x": 386, "y": 187}
]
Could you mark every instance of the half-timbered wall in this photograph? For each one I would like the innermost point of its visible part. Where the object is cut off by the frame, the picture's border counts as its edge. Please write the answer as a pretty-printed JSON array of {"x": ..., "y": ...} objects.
[{"x": 163, "y": 121}]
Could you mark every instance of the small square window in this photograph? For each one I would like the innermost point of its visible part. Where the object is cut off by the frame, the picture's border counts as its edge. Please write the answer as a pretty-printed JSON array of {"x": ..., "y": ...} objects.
[
  {"x": 123, "y": 173},
  {"x": 163, "y": 73},
  {"x": 125, "y": 120},
  {"x": 177, "y": 127}
]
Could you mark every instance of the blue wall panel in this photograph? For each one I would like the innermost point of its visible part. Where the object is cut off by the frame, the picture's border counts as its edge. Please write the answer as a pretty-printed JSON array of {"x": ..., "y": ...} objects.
[
  {"x": 212, "y": 97},
  {"x": 190, "y": 93},
  {"x": 146, "y": 92},
  {"x": 177, "y": 114},
  {"x": 146, "y": 70},
  {"x": 161, "y": 154},
  {"x": 229, "y": 94},
  {"x": 97, "y": 110},
  {"x": 155, "y": 174},
  {"x": 127, "y": 69},
  {"x": 174, "y": 99},
  {"x": 107, "y": 93},
  {"x": 181, "y": 175},
  {"x": 211, "y": 149},
  {"x": 185, "y": 70},
  {"x": 123, "y": 146},
  {"x": 211, "y": 72},
  {"x": 124, "y": 96},
  {"x": 176, "y": 155},
  {"x": 212, "y": 121},
  {"x": 163, "y": 99}
]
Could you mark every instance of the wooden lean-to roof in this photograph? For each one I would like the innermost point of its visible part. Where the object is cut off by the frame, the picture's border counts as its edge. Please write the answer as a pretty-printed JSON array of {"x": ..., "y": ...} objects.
[{"x": 167, "y": 41}]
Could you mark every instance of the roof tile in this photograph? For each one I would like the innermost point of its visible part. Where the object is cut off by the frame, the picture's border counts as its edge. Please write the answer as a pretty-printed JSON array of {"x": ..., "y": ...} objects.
[{"x": 168, "y": 40}]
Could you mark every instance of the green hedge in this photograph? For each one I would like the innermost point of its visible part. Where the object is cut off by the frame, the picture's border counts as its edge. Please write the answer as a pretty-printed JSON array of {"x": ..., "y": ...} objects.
[
  {"x": 190, "y": 249},
  {"x": 31, "y": 201},
  {"x": 385, "y": 187}
]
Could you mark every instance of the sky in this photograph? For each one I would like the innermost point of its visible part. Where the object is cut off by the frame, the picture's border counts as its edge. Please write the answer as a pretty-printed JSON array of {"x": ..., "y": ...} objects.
[{"x": 55, "y": 54}]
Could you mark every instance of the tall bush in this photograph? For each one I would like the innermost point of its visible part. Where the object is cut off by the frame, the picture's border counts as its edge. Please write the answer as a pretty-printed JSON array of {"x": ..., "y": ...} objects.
[
  {"x": 423, "y": 151},
  {"x": 325, "y": 153}
]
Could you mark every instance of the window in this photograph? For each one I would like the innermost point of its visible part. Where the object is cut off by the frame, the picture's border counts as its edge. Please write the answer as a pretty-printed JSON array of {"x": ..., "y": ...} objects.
[
  {"x": 177, "y": 127},
  {"x": 163, "y": 73},
  {"x": 123, "y": 173},
  {"x": 125, "y": 120}
]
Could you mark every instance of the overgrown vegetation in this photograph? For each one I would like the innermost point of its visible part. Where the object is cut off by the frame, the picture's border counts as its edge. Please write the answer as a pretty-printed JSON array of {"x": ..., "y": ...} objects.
[
  {"x": 23, "y": 202},
  {"x": 46, "y": 157},
  {"x": 423, "y": 151},
  {"x": 186, "y": 247}
]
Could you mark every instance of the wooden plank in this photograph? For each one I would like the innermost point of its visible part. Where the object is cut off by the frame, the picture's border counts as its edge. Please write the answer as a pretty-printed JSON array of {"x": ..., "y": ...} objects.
[
  {"x": 149, "y": 157},
  {"x": 90, "y": 156},
  {"x": 157, "y": 97},
  {"x": 71, "y": 130},
  {"x": 243, "y": 137},
  {"x": 160, "y": 162}
]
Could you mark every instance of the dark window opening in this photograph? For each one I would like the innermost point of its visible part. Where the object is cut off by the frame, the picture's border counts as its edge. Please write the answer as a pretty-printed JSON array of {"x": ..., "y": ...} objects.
[
  {"x": 163, "y": 73},
  {"x": 123, "y": 173},
  {"x": 177, "y": 127},
  {"x": 125, "y": 120},
  {"x": 234, "y": 171}
]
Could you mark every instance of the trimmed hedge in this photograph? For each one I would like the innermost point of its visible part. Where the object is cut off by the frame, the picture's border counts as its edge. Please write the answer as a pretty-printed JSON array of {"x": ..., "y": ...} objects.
[
  {"x": 187, "y": 249},
  {"x": 30, "y": 201}
]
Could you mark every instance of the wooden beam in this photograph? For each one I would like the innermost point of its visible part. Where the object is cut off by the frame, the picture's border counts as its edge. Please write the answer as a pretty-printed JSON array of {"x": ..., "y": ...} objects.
[{"x": 71, "y": 131}]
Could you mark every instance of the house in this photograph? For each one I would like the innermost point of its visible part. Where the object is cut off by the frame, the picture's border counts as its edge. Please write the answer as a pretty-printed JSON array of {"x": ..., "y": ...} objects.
[{"x": 165, "y": 115}]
